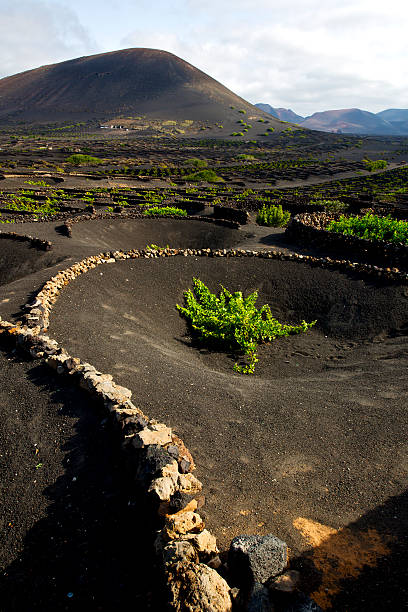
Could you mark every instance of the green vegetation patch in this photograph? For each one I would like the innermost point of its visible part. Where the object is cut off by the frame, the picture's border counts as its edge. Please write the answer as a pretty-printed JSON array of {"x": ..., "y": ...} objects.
[
  {"x": 210, "y": 176},
  {"x": 78, "y": 159},
  {"x": 375, "y": 164},
  {"x": 231, "y": 321},
  {"x": 371, "y": 227},
  {"x": 165, "y": 211},
  {"x": 273, "y": 216}
]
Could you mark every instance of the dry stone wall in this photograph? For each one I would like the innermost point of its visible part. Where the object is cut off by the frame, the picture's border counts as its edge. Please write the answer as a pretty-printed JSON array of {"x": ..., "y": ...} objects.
[{"x": 43, "y": 245}]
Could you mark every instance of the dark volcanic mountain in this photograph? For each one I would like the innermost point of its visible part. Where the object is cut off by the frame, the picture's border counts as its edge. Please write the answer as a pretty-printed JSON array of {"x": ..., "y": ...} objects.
[
  {"x": 128, "y": 82},
  {"x": 284, "y": 114}
]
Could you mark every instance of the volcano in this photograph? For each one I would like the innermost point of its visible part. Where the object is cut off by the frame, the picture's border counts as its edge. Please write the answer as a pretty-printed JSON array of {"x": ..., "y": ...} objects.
[{"x": 129, "y": 82}]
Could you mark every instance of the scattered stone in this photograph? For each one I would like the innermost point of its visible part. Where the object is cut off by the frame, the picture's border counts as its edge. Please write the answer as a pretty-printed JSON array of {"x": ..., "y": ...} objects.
[
  {"x": 214, "y": 562},
  {"x": 286, "y": 582},
  {"x": 255, "y": 558}
]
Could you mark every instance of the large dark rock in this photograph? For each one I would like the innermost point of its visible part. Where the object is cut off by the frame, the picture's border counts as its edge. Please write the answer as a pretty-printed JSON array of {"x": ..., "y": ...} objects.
[{"x": 255, "y": 558}]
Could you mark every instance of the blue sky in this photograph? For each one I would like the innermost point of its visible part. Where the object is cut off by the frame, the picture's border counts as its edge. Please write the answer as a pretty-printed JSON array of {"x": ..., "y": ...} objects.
[{"x": 306, "y": 55}]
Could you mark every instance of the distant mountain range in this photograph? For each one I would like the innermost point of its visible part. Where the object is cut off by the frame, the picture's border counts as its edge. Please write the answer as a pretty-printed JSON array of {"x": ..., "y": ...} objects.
[{"x": 347, "y": 120}]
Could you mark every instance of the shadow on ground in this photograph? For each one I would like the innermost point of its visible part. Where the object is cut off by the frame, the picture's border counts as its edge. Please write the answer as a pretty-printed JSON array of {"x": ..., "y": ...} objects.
[
  {"x": 361, "y": 567},
  {"x": 92, "y": 547}
]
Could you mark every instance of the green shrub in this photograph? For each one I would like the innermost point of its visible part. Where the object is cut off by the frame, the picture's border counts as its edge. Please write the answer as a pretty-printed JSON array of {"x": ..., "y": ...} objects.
[
  {"x": 78, "y": 159},
  {"x": 205, "y": 175},
  {"x": 165, "y": 211},
  {"x": 230, "y": 321},
  {"x": 371, "y": 227},
  {"x": 377, "y": 164},
  {"x": 273, "y": 216},
  {"x": 241, "y": 110},
  {"x": 196, "y": 162},
  {"x": 332, "y": 206}
]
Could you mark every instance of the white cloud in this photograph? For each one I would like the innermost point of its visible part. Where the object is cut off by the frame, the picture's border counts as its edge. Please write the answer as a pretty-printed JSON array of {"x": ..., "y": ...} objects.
[
  {"x": 310, "y": 55},
  {"x": 34, "y": 33}
]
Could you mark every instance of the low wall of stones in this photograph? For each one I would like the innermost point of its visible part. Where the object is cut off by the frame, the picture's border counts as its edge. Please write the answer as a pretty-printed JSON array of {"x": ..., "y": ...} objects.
[
  {"x": 43, "y": 245},
  {"x": 310, "y": 230},
  {"x": 70, "y": 220}
]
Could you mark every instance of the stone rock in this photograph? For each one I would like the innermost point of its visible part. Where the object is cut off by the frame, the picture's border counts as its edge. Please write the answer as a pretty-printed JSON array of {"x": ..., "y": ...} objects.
[
  {"x": 179, "y": 502},
  {"x": 162, "y": 488},
  {"x": 255, "y": 558},
  {"x": 158, "y": 462},
  {"x": 179, "y": 551},
  {"x": 183, "y": 523},
  {"x": 196, "y": 587},
  {"x": 214, "y": 562},
  {"x": 287, "y": 582},
  {"x": 259, "y": 599},
  {"x": 205, "y": 543},
  {"x": 187, "y": 483},
  {"x": 165, "y": 507},
  {"x": 173, "y": 451},
  {"x": 154, "y": 433},
  {"x": 185, "y": 458}
]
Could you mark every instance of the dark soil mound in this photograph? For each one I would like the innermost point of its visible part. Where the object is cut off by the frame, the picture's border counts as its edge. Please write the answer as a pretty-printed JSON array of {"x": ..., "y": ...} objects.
[
  {"x": 18, "y": 259},
  {"x": 125, "y": 83}
]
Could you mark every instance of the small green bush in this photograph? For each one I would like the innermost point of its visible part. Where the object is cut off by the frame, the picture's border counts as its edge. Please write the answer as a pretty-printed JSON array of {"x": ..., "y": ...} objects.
[
  {"x": 205, "y": 175},
  {"x": 165, "y": 211},
  {"x": 377, "y": 164},
  {"x": 273, "y": 216},
  {"x": 231, "y": 321},
  {"x": 371, "y": 227},
  {"x": 78, "y": 160},
  {"x": 196, "y": 162}
]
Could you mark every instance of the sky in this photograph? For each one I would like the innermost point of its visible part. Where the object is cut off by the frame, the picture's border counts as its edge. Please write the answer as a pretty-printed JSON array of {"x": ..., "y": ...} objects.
[{"x": 307, "y": 55}]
